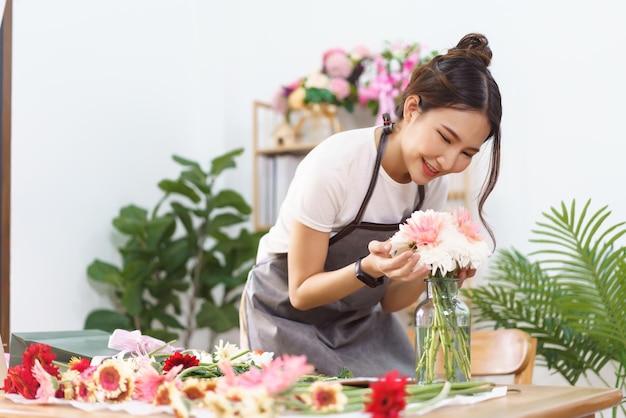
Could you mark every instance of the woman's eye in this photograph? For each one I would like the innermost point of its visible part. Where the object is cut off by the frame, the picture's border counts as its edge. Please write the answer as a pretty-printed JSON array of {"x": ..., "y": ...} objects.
[
  {"x": 443, "y": 138},
  {"x": 467, "y": 154}
]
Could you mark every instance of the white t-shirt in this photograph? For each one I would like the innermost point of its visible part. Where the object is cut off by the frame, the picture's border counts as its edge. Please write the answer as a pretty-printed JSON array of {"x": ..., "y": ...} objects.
[{"x": 330, "y": 184}]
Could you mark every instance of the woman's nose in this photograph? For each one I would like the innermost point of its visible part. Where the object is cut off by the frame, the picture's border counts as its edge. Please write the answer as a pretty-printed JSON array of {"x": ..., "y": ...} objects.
[{"x": 446, "y": 161}]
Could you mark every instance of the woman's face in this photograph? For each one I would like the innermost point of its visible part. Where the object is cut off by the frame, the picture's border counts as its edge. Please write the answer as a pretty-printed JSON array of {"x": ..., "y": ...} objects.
[{"x": 441, "y": 141}]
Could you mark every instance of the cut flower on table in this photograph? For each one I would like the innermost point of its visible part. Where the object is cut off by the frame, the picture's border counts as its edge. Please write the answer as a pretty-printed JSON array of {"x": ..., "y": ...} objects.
[{"x": 229, "y": 382}]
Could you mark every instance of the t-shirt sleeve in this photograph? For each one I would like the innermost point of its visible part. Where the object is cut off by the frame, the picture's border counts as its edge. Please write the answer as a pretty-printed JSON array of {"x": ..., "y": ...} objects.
[{"x": 318, "y": 191}]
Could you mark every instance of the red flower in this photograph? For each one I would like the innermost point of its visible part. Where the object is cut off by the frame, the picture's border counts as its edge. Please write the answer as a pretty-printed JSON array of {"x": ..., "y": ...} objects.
[
  {"x": 187, "y": 360},
  {"x": 42, "y": 353},
  {"x": 79, "y": 365},
  {"x": 21, "y": 380},
  {"x": 387, "y": 398}
]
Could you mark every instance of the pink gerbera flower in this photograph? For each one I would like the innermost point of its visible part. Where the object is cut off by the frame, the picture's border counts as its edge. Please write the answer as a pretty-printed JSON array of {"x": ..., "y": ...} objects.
[
  {"x": 148, "y": 380},
  {"x": 47, "y": 387},
  {"x": 466, "y": 226}
]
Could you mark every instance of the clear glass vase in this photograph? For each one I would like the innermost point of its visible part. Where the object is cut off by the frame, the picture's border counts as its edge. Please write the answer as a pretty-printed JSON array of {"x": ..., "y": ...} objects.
[{"x": 442, "y": 334}]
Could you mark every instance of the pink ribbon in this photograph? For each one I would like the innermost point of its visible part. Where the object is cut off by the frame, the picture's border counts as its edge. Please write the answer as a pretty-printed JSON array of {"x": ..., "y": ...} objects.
[
  {"x": 386, "y": 104},
  {"x": 133, "y": 341}
]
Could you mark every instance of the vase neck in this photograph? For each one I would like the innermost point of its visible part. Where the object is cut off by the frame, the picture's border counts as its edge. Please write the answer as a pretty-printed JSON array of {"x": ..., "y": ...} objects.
[{"x": 447, "y": 288}]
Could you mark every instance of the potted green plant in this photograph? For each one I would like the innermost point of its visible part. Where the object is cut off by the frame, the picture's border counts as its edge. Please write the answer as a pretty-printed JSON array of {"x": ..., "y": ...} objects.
[
  {"x": 569, "y": 293},
  {"x": 184, "y": 262}
]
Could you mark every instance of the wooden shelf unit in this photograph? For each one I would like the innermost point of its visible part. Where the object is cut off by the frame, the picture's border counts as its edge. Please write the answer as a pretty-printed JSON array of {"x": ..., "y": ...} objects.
[{"x": 273, "y": 166}]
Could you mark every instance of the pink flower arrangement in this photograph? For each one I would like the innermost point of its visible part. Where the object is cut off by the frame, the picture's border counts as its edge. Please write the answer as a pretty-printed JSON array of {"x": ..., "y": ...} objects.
[
  {"x": 360, "y": 77},
  {"x": 445, "y": 241},
  {"x": 386, "y": 75},
  {"x": 332, "y": 84}
]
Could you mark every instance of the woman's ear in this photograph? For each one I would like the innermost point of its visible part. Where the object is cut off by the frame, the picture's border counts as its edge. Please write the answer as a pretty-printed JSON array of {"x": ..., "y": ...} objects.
[{"x": 412, "y": 106}]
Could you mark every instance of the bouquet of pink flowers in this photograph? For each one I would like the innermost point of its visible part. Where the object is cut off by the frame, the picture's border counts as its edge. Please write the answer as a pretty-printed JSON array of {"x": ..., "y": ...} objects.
[
  {"x": 332, "y": 84},
  {"x": 386, "y": 75},
  {"x": 446, "y": 242}
]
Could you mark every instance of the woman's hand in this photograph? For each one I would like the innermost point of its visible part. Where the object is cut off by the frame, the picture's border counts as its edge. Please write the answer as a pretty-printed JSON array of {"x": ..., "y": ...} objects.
[
  {"x": 399, "y": 268},
  {"x": 464, "y": 273}
]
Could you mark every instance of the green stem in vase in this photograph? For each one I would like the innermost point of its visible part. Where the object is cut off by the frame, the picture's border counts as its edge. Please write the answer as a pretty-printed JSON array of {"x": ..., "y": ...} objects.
[{"x": 444, "y": 335}]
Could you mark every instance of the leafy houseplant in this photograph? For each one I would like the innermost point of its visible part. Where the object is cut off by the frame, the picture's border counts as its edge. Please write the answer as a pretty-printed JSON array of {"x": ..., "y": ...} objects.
[
  {"x": 571, "y": 296},
  {"x": 184, "y": 262}
]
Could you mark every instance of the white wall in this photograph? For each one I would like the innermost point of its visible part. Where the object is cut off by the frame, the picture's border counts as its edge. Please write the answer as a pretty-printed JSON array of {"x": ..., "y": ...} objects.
[{"x": 104, "y": 92}]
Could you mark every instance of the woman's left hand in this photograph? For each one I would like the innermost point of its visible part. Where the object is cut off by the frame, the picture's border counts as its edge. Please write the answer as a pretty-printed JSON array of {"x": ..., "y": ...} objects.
[{"x": 464, "y": 273}]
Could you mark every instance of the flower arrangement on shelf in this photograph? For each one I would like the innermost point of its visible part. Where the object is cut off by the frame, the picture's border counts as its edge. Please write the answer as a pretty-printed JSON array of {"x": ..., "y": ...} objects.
[
  {"x": 387, "y": 74},
  {"x": 445, "y": 242},
  {"x": 334, "y": 84},
  {"x": 350, "y": 78},
  {"x": 229, "y": 382}
]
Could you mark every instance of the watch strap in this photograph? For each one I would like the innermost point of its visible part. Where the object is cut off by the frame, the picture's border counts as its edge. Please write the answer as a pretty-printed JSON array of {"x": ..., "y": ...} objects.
[{"x": 366, "y": 278}]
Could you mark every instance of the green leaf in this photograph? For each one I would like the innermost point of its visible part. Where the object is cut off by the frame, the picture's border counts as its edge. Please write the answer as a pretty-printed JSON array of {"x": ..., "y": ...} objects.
[
  {"x": 159, "y": 229},
  {"x": 224, "y": 220},
  {"x": 230, "y": 198},
  {"x": 316, "y": 95},
  {"x": 218, "y": 319},
  {"x": 134, "y": 212},
  {"x": 185, "y": 217},
  {"x": 130, "y": 226},
  {"x": 177, "y": 187},
  {"x": 165, "y": 319},
  {"x": 98, "y": 269},
  {"x": 175, "y": 255},
  {"x": 221, "y": 163},
  {"x": 107, "y": 320},
  {"x": 132, "y": 299},
  {"x": 138, "y": 271},
  {"x": 186, "y": 162},
  {"x": 198, "y": 178}
]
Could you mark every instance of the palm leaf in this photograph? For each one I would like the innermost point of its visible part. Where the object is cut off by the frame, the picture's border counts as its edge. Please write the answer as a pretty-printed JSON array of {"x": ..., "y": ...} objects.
[{"x": 570, "y": 296}]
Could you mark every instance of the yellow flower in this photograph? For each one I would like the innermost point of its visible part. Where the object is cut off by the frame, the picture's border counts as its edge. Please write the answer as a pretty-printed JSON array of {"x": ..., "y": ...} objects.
[
  {"x": 195, "y": 389},
  {"x": 295, "y": 100},
  {"x": 168, "y": 394},
  {"x": 114, "y": 381},
  {"x": 326, "y": 397}
]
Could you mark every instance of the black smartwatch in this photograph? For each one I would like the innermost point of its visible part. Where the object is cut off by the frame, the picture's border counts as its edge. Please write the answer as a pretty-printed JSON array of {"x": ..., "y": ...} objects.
[{"x": 366, "y": 278}]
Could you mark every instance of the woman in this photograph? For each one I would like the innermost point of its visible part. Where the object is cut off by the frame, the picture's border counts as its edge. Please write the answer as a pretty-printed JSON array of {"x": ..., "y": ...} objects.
[{"x": 324, "y": 284}]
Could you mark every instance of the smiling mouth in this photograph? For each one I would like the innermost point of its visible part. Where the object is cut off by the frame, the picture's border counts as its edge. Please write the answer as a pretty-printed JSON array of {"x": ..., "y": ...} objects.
[{"x": 428, "y": 169}]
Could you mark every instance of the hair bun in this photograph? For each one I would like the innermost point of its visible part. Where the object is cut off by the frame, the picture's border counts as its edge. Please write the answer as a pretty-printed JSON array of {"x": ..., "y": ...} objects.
[{"x": 477, "y": 46}]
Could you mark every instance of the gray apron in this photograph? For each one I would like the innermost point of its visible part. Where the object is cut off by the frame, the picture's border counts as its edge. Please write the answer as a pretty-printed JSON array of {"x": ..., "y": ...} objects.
[{"x": 352, "y": 332}]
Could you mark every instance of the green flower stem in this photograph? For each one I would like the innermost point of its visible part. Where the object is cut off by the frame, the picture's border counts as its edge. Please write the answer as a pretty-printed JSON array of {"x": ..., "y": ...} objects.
[
  {"x": 417, "y": 396},
  {"x": 444, "y": 334},
  {"x": 443, "y": 394}
]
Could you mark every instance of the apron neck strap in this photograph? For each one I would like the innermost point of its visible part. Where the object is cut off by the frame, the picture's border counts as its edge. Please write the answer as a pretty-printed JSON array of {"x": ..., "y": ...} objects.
[{"x": 382, "y": 144}]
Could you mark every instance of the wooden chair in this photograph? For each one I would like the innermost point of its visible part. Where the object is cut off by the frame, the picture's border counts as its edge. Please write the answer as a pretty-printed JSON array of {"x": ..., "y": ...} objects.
[
  {"x": 501, "y": 352},
  {"x": 504, "y": 352}
]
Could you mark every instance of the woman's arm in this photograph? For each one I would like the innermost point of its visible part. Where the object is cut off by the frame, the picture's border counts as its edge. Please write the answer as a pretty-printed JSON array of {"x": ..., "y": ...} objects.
[{"x": 309, "y": 285}]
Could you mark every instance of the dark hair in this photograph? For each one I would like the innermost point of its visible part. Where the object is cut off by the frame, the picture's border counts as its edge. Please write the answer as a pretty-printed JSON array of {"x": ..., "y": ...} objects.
[{"x": 460, "y": 79}]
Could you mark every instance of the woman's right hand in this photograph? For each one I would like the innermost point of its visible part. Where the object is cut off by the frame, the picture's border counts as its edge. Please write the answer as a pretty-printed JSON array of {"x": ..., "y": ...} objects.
[{"x": 399, "y": 268}]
